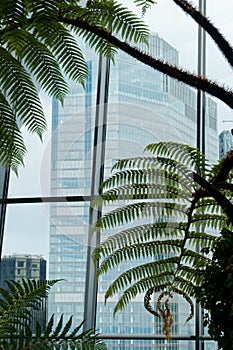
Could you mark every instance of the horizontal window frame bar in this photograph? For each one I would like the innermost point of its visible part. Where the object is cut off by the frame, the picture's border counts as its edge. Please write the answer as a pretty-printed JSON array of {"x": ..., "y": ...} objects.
[
  {"x": 49, "y": 199},
  {"x": 152, "y": 337}
]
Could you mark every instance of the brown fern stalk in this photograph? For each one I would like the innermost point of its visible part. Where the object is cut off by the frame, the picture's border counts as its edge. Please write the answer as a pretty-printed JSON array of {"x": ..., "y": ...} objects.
[
  {"x": 196, "y": 81},
  {"x": 212, "y": 191},
  {"x": 205, "y": 23}
]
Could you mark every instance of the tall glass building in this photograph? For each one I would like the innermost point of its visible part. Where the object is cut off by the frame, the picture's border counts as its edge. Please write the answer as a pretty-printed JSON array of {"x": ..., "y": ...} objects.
[
  {"x": 225, "y": 142},
  {"x": 125, "y": 106}
]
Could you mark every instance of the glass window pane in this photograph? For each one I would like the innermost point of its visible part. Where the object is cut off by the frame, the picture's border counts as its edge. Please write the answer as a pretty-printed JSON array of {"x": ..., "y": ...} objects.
[
  {"x": 58, "y": 233},
  {"x": 210, "y": 345},
  {"x": 61, "y": 165}
]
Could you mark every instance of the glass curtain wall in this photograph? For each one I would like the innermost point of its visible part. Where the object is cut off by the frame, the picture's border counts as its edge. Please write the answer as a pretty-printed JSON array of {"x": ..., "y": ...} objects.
[{"x": 125, "y": 106}]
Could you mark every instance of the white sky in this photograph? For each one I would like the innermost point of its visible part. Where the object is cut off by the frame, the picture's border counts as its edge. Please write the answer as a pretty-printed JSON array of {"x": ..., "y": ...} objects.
[{"x": 166, "y": 19}]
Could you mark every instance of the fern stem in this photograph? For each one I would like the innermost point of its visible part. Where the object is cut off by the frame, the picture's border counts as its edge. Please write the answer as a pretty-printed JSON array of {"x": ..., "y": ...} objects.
[
  {"x": 204, "y": 22},
  {"x": 186, "y": 77},
  {"x": 212, "y": 191},
  {"x": 186, "y": 235}
]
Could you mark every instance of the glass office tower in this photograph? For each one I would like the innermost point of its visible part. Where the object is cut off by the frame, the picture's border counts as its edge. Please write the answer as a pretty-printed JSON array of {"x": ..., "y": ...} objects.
[
  {"x": 141, "y": 106},
  {"x": 225, "y": 142}
]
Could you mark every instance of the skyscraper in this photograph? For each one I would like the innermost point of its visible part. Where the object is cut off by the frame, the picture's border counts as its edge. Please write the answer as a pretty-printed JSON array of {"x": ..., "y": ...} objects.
[
  {"x": 20, "y": 266},
  {"x": 225, "y": 142},
  {"x": 141, "y": 106},
  {"x": 17, "y": 266}
]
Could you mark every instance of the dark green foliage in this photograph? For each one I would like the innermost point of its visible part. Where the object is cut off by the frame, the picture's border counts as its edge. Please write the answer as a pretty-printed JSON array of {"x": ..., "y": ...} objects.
[
  {"x": 216, "y": 292},
  {"x": 37, "y": 51},
  {"x": 16, "y": 304},
  {"x": 169, "y": 220}
]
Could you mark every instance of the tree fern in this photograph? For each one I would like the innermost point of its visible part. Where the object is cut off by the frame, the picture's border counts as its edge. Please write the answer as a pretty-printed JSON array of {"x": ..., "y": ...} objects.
[
  {"x": 38, "y": 50},
  {"x": 168, "y": 240},
  {"x": 16, "y": 303}
]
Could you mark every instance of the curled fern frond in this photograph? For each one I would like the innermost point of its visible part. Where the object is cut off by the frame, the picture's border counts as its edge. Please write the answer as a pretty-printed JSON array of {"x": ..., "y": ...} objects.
[{"x": 166, "y": 313}]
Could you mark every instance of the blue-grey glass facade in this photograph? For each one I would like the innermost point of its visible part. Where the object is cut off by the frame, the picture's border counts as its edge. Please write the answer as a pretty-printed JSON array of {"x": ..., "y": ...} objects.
[
  {"x": 144, "y": 106},
  {"x": 20, "y": 266},
  {"x": 225, "y": 142}
]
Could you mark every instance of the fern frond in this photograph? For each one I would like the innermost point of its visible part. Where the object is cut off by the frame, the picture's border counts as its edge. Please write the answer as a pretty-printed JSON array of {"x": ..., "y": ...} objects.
[
  {"x": 21, "y": 92},
  {"x": 142, "y": 286},
  {"x": 13, "y": 13},
  {"x": 125, "y": 23},
  {"x": 186, "y": 286},
  {"x": 182, "y": 153},
  {"x": 33, "y": 291},
  {"x": 112, "y": 16},
  {"x": 63, "y": 46},
  {"x": 210, "y": 205},
  {"x": 11, "y": 145},
  {"x": 150, "y": 270},
  {"x": 212, "y": 221},
  {"x": 118, "y": 19},
  {"x": 139, "y": 234},
  {"x": 16, "y": 303},
  {"x": 144, "y": 176},
  {"x": 140, "y": 192},
  {"x": 135, "y": 252},
  {"x": 201, "y": 239},
  {"x": 135, "y": 211},
  {"x": 38, "y": 60},
  {"x": 58, "y": 327},
  {"x": 188, "y": 273},
  {"x": 136, "y": 162},
  {"x": 66, "y": 327},
  {"x": 193, "y": 258},
  {"x": 168, "y": 164},
  {"x": 101, "y": 46},
  {"x": 49, "y": 327}
]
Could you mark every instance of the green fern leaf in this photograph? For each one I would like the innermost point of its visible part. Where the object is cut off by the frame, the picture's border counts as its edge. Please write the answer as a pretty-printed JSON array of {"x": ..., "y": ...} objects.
[
  {"x": 184, "y": 154},
  {"x": 140, "y": 210},
  {"x": 140, "y": 251},
  {"x": 38, "y": 60},
  {"x": 21, "y": 92},
  {"x": 58, "y": 327},
  {"x": 139, "y": 234},
  {"x": 49, "y": 327},
  {"x": 161, "y": 268},
  {"x": 140, "y": 287},
  {"x": 64, "y": 47},
  {"x": 38, "y": 331}
]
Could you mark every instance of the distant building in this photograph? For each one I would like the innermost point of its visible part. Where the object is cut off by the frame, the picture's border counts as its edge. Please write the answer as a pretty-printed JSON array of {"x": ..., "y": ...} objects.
[
  {"x": 15, "y": 267},
  {"x": 225, "y": 142}
]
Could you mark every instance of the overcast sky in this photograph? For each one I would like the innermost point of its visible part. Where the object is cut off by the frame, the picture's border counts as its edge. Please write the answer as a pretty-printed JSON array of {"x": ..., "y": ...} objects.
[{"x": 166, "y": 19}]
